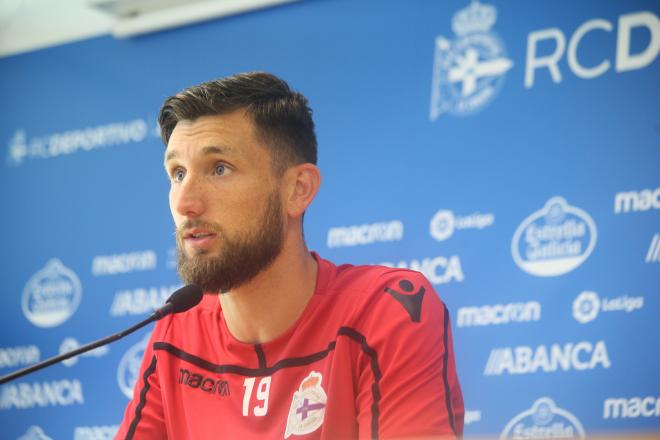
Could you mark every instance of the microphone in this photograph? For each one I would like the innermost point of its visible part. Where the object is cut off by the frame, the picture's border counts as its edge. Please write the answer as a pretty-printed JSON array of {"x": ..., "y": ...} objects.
[{"x": 183, "y": 299}]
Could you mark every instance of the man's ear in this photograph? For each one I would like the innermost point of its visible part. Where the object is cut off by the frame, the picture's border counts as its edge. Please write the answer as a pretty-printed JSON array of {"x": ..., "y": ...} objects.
[{"x": 301, "y": 185}]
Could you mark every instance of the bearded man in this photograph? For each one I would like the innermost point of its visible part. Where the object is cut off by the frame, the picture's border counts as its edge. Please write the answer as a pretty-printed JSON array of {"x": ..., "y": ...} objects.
[{"x": 284, "y": 343}]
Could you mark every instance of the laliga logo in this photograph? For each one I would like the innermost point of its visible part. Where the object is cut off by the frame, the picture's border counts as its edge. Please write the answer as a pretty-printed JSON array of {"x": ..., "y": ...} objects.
[
  {"x": 17, "y": 148},
  {"x": 70, "y": 344},
  {"x": 586, "y": 307},
  {"x": 52, "y": 295},
  {"x": 554, "y": 240},
  {"x": 543, "y": 420},
  {"x": 468, "y": 72},
  {"x": 129, "y": 367}
]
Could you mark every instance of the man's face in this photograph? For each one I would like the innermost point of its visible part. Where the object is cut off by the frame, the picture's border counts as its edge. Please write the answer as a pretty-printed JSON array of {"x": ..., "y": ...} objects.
[{"x": 225, "y": 201}]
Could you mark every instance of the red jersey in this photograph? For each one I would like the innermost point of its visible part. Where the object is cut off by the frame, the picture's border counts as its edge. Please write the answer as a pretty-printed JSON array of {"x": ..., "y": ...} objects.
[{"x": 370, "y": 357}]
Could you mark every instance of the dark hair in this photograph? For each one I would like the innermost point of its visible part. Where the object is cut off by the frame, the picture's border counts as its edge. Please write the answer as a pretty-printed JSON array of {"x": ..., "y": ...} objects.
[{"x": 281, "y": 117}]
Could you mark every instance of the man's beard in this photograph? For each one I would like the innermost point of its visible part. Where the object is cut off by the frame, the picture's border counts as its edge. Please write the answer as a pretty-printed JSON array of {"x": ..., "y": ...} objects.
[{"x": 240, "y": 258}]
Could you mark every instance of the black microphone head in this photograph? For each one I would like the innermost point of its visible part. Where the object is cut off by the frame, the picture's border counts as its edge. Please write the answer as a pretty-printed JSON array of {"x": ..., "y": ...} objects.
[{"x": 185, "y": 298}]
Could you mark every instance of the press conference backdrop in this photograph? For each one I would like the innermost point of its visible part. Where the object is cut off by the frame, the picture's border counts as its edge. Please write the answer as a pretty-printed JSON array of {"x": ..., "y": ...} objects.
[{"x": 509, "y": 150}]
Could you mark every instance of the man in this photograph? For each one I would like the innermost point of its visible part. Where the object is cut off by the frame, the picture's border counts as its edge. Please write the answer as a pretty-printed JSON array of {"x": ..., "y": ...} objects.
[{"x": 284, "y": 344}]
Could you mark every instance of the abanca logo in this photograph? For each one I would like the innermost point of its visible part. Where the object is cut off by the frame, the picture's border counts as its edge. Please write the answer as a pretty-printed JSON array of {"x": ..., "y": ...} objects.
[
  {"x": 468, "y": 71},
  {"x": 554, "y": 240},
  {"x": 51, "y": 295},
  {"x": 543, "y": 420},
  {"x": 129, "y": 367}
]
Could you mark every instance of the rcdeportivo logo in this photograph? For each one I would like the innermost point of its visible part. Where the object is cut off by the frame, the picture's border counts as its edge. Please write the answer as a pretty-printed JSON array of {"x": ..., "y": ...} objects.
[
  {"x": 22, "y": 148},
  {"x": 543, "y": 420},
  {"x": 129, "y": 367},
  {"x": 51, "y": 295},
  {"x": 307, "y": 407},
  {"x": 554, "y": 240},
  {"x": 468, "y": 71}
]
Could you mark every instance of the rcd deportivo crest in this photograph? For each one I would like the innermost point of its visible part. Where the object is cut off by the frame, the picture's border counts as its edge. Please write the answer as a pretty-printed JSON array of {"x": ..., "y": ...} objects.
[
  {"x": 468, "y": 71},
  {"x": 543, "y": 420},
  {"x": 307, "y": 407}
]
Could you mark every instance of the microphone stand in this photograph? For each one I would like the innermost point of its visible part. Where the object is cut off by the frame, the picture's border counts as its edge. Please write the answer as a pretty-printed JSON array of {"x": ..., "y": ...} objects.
[{"x": 92, "y": 345}]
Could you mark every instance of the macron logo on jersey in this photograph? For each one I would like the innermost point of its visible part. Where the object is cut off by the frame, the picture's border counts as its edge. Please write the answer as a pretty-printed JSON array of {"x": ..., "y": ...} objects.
[{"x": 206, "y": 384}]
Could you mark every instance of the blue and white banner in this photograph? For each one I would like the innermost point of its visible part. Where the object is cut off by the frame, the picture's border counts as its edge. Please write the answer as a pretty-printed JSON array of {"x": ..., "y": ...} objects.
[{"x": 509, "y": 150}]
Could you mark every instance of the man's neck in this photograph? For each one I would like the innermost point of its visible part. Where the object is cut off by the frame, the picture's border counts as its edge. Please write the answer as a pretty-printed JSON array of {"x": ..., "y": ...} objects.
[{"x": 263, "y": 309}]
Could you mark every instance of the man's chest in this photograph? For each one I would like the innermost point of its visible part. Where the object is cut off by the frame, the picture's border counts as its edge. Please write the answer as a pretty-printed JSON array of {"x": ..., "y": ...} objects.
[{"x": 309, "y": 394}]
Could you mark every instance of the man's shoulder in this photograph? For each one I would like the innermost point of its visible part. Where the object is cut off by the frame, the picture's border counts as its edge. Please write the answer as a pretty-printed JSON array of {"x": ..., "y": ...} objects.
[
  {"x": 365, "y": 285},
  {"x": 366, "y": 277}
]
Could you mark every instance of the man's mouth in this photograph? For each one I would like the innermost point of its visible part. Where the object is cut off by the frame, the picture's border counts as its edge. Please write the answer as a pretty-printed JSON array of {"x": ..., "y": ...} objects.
[{"x": 198, "y": 236}]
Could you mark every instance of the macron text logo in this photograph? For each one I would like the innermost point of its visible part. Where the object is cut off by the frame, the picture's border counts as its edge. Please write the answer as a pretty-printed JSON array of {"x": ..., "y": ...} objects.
[
  {"x": 365, "y": 234},
  {"x": 615, "y": 408},
  {"x": 124, "y": 263},
  {"x": 499, "y": 314},
  {"x": 637, "y": 201}
]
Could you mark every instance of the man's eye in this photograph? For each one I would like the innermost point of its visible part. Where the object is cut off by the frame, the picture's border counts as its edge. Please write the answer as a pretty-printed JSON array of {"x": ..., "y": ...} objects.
[
  {"x": 221, "y": 169},
  {"x": 178, "y": 175}
]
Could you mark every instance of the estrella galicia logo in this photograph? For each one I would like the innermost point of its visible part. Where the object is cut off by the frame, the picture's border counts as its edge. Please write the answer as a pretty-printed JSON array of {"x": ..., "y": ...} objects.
[
  {"x": 468, "y": 71},
  {"x": 34, "y": 433},
  {"x": 129, "y": 366},
  {"x": 51, "y": 295},
  {"x": 543, "y": 420},
  {"x": 554, "y": 240}
]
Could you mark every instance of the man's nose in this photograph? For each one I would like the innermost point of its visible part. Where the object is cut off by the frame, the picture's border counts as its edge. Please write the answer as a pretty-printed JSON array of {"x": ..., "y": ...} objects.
[{"x": 190, "y": 197}]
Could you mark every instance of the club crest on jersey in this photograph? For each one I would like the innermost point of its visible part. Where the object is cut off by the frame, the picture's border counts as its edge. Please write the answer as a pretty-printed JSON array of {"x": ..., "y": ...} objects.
[{"x": 307, "y": 407}]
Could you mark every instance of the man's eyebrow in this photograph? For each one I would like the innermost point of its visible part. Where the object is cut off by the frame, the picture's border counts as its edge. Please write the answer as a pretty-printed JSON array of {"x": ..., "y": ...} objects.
[{"x": 212, "y": 149}]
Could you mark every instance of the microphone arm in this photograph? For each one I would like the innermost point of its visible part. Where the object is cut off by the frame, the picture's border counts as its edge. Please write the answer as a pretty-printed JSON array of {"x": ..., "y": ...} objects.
[
  {"x": 79, "y": 350},
  {"x": 183, "y": 299}
]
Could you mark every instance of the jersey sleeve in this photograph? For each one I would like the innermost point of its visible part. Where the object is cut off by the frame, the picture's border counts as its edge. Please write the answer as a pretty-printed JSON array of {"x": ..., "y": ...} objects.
[
  {"x": 144, "y": 417},
  {"x": 408, "y": 386}
]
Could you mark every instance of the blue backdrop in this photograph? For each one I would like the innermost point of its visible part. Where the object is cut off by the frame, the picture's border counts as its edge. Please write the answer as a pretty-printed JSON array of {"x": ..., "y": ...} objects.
[{"x": 508, "y": 150}]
